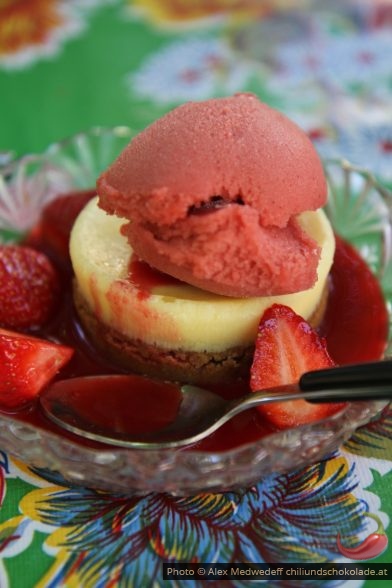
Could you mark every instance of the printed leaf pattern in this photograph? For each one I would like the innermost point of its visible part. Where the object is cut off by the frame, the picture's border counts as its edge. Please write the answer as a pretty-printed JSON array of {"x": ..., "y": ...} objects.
[
  {"x": 373, "y": 439},
  {"x": 293, "y": 517}
]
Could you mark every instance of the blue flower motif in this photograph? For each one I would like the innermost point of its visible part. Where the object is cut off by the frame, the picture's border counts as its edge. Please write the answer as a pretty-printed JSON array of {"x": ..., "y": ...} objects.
[
  {"x": 339, "y": 61},
  {"x": 190, "y": 69},
  {"x": 370, "y": 146}
]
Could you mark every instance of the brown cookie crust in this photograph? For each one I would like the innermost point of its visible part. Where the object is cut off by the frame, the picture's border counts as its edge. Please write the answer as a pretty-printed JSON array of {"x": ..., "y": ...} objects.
[
  {"x": 151, "y": 360},
  {"x": 201, "y": 368}
]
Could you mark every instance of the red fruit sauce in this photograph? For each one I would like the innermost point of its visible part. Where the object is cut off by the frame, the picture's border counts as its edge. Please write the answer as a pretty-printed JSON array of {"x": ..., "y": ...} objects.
[
  {"x": 355, "y": 326},
  {"x": 145, "y": 278}
]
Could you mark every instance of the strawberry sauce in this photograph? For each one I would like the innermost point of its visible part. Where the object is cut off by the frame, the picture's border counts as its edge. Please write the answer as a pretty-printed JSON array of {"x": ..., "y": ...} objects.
[
  {"x": 355, "y": 326},
  {"x": 145, "y": 278}
]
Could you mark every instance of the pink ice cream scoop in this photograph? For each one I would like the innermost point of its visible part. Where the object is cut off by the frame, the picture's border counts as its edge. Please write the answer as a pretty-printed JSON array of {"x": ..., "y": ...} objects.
[{"x": 211, "y": 192}]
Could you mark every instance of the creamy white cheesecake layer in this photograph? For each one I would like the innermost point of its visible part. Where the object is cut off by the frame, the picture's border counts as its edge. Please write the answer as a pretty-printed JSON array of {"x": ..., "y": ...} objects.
[{"x": 176, "y": 316}]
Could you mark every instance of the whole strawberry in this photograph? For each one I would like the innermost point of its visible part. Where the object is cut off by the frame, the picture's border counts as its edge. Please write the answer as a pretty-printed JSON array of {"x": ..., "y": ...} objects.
[{"x": 29, "y": 287}]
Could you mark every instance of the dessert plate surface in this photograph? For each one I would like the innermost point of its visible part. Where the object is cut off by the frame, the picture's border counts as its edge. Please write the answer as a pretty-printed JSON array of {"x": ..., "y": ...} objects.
[{"x": 359, "y": 210}]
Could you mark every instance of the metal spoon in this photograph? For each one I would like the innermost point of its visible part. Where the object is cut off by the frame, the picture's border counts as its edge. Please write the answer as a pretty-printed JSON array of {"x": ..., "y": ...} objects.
[{"x": 200, "y": 412}]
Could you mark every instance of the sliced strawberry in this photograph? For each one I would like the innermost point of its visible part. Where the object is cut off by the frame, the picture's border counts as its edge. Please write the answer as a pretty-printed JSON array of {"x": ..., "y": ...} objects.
[
  {"x": 27, "y": 364},
  {"x": 286, "y": 347},
  {"x": 29, "y": 287},
  {"x": 58, "y": 218}
]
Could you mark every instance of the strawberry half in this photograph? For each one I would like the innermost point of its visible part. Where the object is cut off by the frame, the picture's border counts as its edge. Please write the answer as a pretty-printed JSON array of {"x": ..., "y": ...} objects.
[
  {"x": 58, "y": 218},
  {"x": 287, "y": 347},
  {"x": 27, "y": 364}
]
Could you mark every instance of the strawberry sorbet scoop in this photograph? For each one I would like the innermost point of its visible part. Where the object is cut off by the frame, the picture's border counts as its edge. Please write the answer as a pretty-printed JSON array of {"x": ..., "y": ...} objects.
[{"x": 210, "y": 194}]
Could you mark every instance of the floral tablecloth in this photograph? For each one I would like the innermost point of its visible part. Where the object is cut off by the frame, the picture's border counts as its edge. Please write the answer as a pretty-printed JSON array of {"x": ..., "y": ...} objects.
[{"x": 68, "y": 65}]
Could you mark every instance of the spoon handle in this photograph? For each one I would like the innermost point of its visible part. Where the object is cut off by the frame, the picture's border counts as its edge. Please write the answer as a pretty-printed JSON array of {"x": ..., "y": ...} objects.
[
  {"x": 372, "y": 374},
  {"x": 374, "y": 392}
]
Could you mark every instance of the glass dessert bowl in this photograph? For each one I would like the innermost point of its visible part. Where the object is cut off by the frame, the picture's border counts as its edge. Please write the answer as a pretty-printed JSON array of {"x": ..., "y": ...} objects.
[{"x": 358, "y": 208}]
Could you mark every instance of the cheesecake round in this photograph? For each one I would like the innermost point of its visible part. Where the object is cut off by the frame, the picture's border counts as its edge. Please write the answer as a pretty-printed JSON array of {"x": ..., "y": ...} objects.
[{"x": 152, "y": 323}]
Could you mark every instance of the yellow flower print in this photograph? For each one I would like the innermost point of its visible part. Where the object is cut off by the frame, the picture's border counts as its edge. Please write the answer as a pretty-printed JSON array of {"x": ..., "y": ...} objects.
[
  {"x": 180, "y": 11},
  {"x": 30, "y": 505},
  {"x": 33, "y": 29},
  {"x": 18, "y": 28}
]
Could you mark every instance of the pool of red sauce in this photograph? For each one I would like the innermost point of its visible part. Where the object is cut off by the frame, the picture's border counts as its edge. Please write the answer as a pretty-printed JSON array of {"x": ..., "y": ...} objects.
[{"x": 355, "y": 326}]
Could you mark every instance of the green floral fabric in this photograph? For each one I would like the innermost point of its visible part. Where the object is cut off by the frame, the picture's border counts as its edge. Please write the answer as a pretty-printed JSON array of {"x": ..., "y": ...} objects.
[{"x": 67, "y": 66}]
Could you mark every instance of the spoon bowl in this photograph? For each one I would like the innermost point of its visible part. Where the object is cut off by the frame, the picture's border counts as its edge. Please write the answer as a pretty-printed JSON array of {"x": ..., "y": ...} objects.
[{"x": 136, "y": 412}]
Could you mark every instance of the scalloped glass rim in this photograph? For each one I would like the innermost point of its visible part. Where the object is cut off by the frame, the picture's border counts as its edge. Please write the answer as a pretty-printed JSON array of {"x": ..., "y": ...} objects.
[{"x": 75, "y": 163}]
